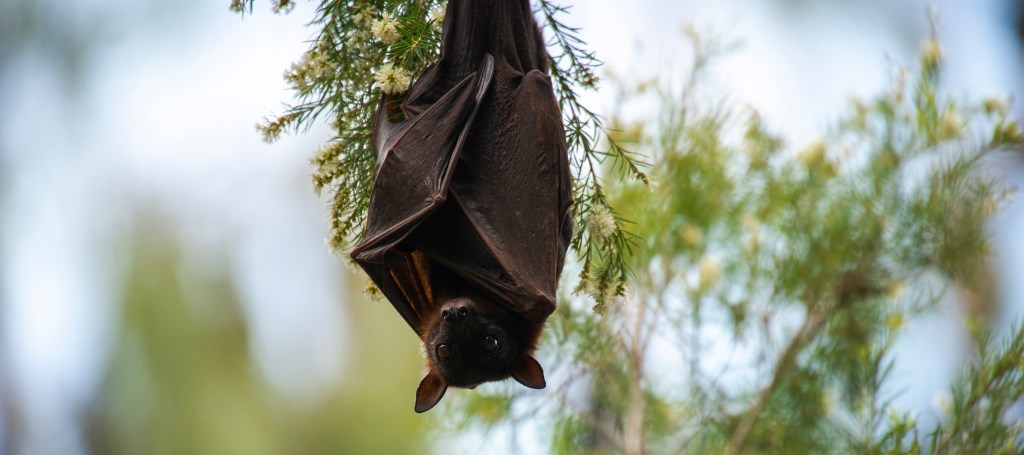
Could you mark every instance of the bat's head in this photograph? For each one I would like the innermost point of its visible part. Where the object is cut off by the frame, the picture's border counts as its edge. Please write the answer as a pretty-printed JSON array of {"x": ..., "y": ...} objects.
[{"x": 475, "y": 341}]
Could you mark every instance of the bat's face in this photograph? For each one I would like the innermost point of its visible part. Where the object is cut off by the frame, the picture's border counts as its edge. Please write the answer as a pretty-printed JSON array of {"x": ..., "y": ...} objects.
[
  {"x": 474, "y": 342},
  {"x": 470, "y": 345}
]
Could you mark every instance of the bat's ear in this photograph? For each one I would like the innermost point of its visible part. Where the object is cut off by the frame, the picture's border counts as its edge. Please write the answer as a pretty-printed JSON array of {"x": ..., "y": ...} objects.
[
  {"x": 430, "y": 391},
  {"x": 527, "y": 371}
]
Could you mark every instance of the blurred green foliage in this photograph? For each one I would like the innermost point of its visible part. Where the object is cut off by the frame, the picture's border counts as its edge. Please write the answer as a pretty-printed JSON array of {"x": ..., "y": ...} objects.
[
  {"x": 182, "y": 378},
  {"x": 810, "y": 259},
  {"x": 863, "y": 229},
  {"x": 807, "y": 260}
]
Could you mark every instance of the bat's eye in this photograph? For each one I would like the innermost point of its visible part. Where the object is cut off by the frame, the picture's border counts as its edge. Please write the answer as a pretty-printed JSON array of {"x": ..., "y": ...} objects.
[
  {"x": 444, "y": 351},
  {"x": 490, "y": 343}
]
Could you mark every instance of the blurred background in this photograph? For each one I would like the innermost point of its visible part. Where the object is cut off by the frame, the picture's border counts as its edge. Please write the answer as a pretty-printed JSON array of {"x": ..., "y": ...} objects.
[{"x": 164, "y": 284}]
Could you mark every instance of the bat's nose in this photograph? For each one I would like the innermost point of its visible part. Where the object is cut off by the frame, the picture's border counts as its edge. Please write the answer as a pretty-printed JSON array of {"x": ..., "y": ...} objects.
[{"x": 454, "y": 314}]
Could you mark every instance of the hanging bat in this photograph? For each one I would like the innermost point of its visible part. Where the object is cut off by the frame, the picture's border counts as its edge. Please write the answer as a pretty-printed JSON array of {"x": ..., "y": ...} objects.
[{"x": 469, "y": 216}]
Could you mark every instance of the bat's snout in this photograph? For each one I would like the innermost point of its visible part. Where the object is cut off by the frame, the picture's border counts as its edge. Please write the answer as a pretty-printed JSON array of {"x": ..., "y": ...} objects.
[{"x": 457, "y": 314}]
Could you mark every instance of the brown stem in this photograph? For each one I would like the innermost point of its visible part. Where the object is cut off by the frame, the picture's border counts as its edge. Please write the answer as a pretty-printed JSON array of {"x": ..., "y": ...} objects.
[
  {"x": 807, "y": 332},
  {"x": 633, "y": 439}
]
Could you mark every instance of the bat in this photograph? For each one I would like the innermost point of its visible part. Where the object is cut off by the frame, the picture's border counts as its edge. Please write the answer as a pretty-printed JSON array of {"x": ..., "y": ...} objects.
[{"x": 470, "y": 210}]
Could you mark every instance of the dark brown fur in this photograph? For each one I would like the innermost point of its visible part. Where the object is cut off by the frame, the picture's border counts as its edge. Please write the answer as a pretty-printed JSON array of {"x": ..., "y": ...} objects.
[{"x": 484, "y": 341}]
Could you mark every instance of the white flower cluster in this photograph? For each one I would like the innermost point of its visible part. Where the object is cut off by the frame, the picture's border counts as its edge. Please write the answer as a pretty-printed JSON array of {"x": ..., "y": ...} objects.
[
  {"x": 364, "y": 18},
  {"x": 359, "y": 39},
  {"x": 392, "y": 80},
  {"x": 589, "y": 285},
  {"x": 690, "y": 235},
  {"x": 372, "y": 292},
  {"x": 931, "y": 53},
  {"x": 315, "y": 64},
  {"x": 710, "y": 272},
  {"x": 951, "y": 126},
  {"x": 997, "y": 106},
  {"x": 813, "y": 153},
  {"x": 437, "y": 17},
  {"x": 601, "y": 223},
  {"x": 386, "y": 29}
]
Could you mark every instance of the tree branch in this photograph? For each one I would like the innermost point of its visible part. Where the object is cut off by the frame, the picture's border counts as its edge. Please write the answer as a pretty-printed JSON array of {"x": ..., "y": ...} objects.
[
  {"x": 808, "y": 331},
  {"x": 633, "y": 439}
]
